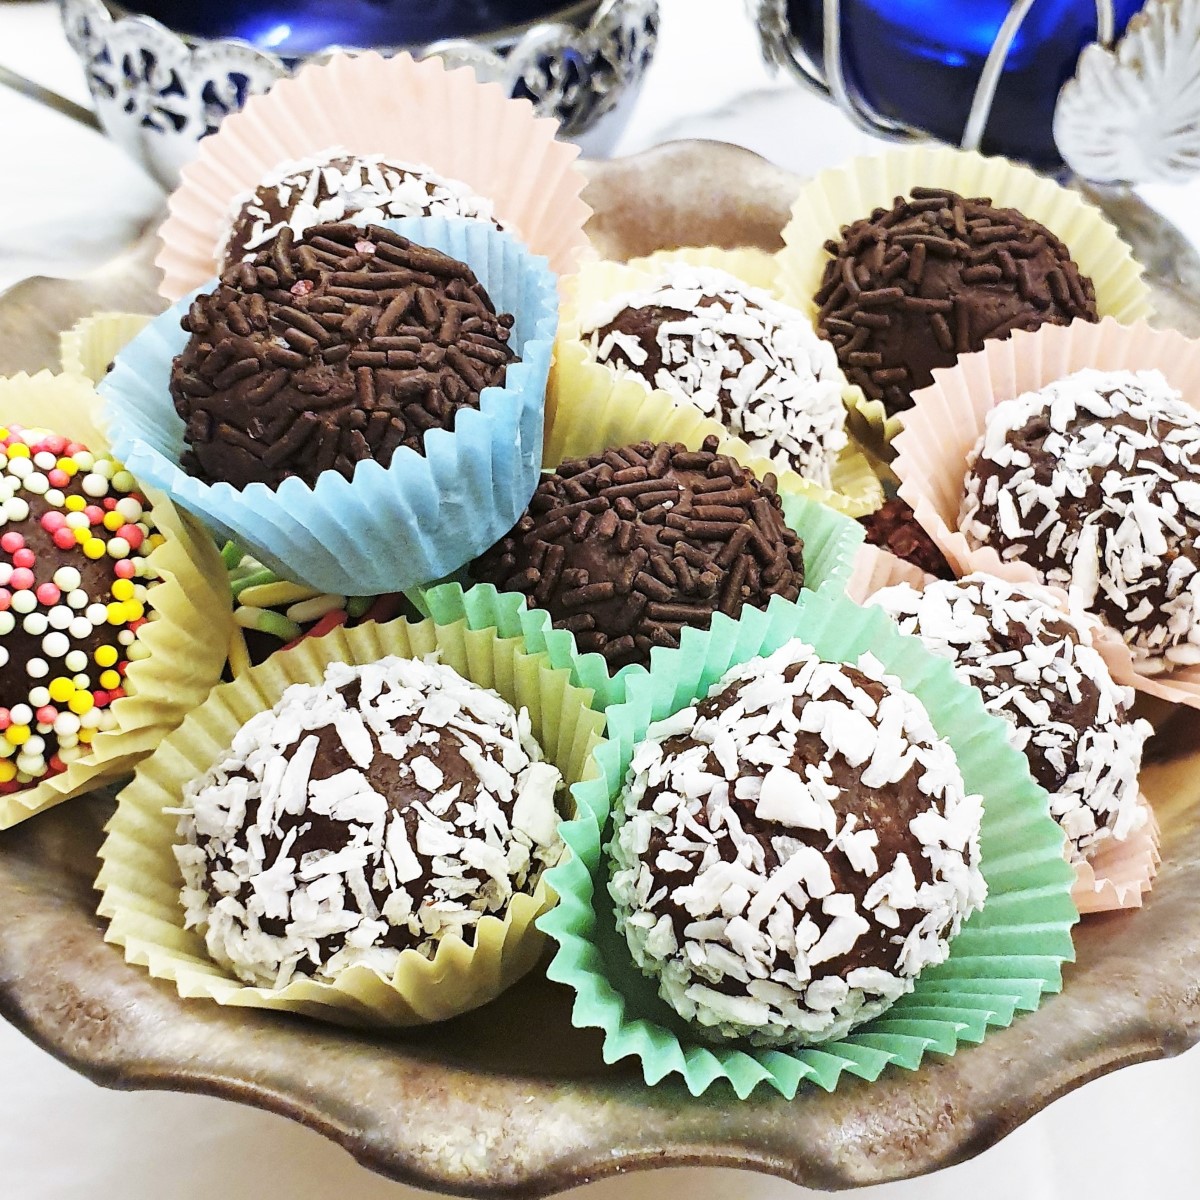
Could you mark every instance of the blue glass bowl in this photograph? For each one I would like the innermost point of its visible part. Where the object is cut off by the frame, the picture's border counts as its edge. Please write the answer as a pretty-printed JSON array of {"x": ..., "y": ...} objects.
[
  {"x": 301, "y": 27},
  {"x": 917, "y": 63}
]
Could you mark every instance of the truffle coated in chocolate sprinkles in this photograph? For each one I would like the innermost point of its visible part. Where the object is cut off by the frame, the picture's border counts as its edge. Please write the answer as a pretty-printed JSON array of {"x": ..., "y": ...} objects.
[
  {"x": 387, "y": 808},
  {"x": 324, "y": 353},
  {"x": 1095, "y": 482},
  {"x": 1036, "y": 667},
  {"x": 627, "y": 548},
  {"x": 791, "y": 852},
  {"x": 910, "y": 288}
]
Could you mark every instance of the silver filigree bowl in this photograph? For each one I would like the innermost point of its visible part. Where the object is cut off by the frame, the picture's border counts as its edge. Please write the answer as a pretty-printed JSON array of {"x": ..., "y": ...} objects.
[
  {"x": 157, "y": 92},
  {"x": 511, "y": 1100}
]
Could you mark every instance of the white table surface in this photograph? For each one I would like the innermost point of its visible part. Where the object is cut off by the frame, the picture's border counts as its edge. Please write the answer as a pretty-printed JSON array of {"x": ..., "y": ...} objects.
[{"x": 68, "y": 202}]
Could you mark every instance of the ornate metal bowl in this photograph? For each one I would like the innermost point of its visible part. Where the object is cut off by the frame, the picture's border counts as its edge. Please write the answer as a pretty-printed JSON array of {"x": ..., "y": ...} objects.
[
  {"x": 156, "y": 92},
  {"x": 511, "y": 1100}
]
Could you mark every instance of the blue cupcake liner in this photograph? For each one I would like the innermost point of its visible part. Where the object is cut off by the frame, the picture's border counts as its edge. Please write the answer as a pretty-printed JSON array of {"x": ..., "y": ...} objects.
[{"x": 386, "y": 529}]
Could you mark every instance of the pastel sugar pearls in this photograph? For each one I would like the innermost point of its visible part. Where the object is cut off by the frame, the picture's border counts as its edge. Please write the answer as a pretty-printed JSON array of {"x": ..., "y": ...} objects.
[{"x": 73, "y": 596}]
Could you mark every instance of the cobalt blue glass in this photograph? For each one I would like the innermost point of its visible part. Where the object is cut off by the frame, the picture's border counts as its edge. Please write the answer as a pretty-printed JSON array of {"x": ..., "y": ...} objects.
[
  {"x": 918, "y": 61},
  {"x": 294, "y": 29}
]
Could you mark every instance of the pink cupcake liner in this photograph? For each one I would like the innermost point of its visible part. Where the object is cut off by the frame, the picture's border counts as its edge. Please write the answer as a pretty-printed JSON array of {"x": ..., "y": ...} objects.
[
  {"x": 1118, "y": 874},
  {"x": 417, "y": 112},
  {"x": 949, "y": 416},
  {"x": 875, "y": 568}
]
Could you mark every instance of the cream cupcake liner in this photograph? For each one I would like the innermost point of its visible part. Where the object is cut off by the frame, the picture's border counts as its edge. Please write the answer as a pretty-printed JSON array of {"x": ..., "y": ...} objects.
[
  {"x": 140, "y": 881},
  {"x": 585, "y": 397},
  {"x": 89, "y": 346},
  {"x": 187, "y": 638},
  {"x": 842, "y": 195},
  {"x": 416, "y": 112},
  {"x": 949, "y": 417},
  {"x": 1119, "y": 874}
]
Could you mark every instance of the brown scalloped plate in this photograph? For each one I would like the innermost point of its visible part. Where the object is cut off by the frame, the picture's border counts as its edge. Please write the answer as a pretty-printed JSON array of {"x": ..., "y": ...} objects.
[{"x": 510, "y": 1100}]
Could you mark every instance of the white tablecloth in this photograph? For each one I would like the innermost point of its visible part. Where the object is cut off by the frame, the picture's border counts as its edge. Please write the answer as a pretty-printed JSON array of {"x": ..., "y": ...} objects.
[{"x": 68, "y": 202}]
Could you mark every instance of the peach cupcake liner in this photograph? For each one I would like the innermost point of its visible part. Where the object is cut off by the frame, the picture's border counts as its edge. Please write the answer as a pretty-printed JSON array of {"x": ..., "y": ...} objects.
[
  {"x": 416, "y": 112},
  {"x": 140, "y": 880},
  {"x": 856, "y": 489},
  {"x": 949, "y": 416},
  {"x": 89, "y": 346},
  {"x": 1118, "y": 874},
  {"x": 187, "y": 637},
  {"x": 842, "y": 195}
]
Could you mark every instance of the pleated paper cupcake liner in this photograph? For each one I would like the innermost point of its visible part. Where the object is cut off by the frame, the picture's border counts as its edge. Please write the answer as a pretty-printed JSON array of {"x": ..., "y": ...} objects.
[
  {"x": 89, "y": 346},
  {"x": 829, "y": 546},
  {"x": 876, "y": 568},
  {"x": 1007, "y": 956},
  {"x": 587, "y": 405},
  {"x": 949, "y": 417},
  {"x": 140, "y": 881},
  {"x": 386, "y": 529},
  {"x": 1118, "y": 874},
  {"x": 842, "y": 195},
  {"x": 186, "y": 637},
  {"x": 414, "y": 112}
]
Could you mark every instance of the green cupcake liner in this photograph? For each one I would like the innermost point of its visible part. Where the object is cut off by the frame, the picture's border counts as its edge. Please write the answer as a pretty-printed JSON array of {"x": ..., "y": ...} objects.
[
  {"x": 1006, "y": 958},
  {"x": 831, "y": 542}
]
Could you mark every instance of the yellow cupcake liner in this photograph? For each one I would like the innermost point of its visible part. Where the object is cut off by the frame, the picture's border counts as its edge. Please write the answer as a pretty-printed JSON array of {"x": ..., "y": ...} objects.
[
  {"x": 140, "y": 881},
  {"x": 89, "y": 346},
  {"x": 845, "y": 194},
  {"x": 1118, "y": 874},
  {"x": 187, "y": 637},
  {"x": 584, "y": 396}
]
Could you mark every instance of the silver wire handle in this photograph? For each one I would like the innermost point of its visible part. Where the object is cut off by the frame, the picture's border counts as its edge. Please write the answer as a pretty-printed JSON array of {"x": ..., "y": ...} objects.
[{"x": 772, "y": 16}]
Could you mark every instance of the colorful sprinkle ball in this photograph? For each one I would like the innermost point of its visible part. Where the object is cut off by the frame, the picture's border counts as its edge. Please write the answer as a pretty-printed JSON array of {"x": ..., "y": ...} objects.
[
  {"x": 275, "y": 614},
  {"x": 74, "y": 544}
]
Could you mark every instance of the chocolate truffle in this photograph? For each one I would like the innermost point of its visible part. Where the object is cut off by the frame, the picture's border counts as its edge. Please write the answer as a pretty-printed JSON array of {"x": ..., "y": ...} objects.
[
  {"x": 1037, "y": 668},
  {"x": 336, "y": 185},
  {"x": 73, "y": 595},
  {"x": 629, "y": 547},
  {"x": 791, "y": 852},
  {"x": 388, "y": 808},
  {"x": 1095, "y": 482},
  {"x": 910, "y": 288},
  {"x": 336, "y": 350},
  {"x": 894, "y": 528},
  {"x": 735, "y": 353}
]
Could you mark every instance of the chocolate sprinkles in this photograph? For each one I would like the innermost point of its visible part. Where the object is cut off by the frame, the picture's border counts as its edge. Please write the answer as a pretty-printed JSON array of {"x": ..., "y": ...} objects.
[
  {"x": 910, "y": 288},
  {"x": 629, "y": 547},
  {"x": 318, "y": 355}
]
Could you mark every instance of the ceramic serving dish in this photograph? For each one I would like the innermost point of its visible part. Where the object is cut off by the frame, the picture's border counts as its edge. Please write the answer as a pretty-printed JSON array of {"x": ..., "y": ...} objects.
[{"x": 510, "y": 1100}]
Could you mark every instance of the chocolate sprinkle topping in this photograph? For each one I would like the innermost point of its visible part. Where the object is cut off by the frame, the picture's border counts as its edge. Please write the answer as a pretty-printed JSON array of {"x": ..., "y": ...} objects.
[
  {"x": 628, "y": 547},
  {"x": 323, "y": 353},
  {"x": 910, "y": 288}
]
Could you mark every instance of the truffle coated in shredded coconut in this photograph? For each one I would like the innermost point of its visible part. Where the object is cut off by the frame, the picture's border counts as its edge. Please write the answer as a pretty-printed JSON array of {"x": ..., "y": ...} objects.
[
  {"x": 738, "y": 355},
  {"x": 1095, "y": 482},
  {"x": 790, "y": 853},
  {"x": 387, "y": 808},
  {"x": 1036, "y": 666},
  {"x": 335, "y": 185}
]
